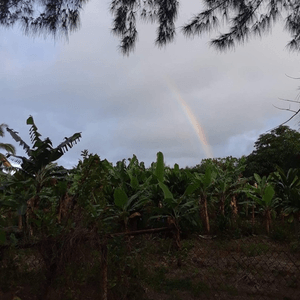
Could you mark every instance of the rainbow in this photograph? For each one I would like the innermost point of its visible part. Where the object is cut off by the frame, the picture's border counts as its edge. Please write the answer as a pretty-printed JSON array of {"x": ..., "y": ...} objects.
[{"x": 192, "y": 119}]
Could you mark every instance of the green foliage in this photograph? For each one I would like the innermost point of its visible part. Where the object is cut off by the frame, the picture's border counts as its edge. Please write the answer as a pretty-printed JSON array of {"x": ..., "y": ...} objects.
[
  {"x": 262, "y": 193},
  {"x": 287, "y": 187},
  {"x": 100, "y": 199},
  {"x": 280, "y": 147},
  {"x": 181, "y": 208},
  {"x": 159, "y": 171},
  {"x": 42, "y": 153},
  {"x": 120, "y": 197}
]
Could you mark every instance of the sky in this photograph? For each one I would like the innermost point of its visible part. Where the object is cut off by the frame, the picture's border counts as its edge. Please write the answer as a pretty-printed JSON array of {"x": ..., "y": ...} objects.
[{"x": 186, "y": 100}]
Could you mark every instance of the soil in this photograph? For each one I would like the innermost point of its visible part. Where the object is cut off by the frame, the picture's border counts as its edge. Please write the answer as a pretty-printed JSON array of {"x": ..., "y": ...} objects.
[{"x": 254, "y": 267}]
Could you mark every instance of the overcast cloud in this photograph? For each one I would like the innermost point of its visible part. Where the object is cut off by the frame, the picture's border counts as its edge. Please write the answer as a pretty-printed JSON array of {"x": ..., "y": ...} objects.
[{"x": 129, "y": 105}]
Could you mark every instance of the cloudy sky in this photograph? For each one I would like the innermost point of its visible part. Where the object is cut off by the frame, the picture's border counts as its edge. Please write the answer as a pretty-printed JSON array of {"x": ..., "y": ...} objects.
[{"x": 186, "y": 100}]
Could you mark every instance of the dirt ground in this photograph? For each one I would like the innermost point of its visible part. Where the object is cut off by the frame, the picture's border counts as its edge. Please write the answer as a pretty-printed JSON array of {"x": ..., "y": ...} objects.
[{"x": 253, "y": 267}]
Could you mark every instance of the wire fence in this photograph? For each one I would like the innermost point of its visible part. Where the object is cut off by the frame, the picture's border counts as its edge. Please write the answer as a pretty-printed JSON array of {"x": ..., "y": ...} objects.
[
  {"x": 150, "y": 267},
  {"x": 247, "y": 268}
]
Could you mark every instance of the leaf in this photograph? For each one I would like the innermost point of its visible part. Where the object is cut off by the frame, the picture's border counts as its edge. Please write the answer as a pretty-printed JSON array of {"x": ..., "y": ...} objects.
[
  {"x": 176, "y": 168},
  {"x": 34, "y": 134},
  {"x": 268, "y": 195},
  {"x": 166, "y": 191},
  {"x": 192, "y": 188},
  {"x": 134, "y": 182},
  {"x": 15, "y": 136},
  {"x": 30, "y": 121},
  {"x": 159, "y": 171},
  {"x": 68, "y": 143},
  {"x": 120, "y": 198},
  {"x": 206, "y": 178},
  {"x": 257, "y": 178},
  {"x": 209, "y": 176}
]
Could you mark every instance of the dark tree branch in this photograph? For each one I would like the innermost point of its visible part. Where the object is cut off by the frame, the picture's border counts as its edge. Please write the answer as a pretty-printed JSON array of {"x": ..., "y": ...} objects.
[
  {"x": 284, "y": 109},
  {"x": 287, "y": 100},
  {"x": 244, "y": 18}
]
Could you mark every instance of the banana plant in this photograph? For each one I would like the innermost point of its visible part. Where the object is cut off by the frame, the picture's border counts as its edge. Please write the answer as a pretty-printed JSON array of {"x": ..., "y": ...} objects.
[
  {"x": 263, "y": 194},
  {"x": 288, "y": 190},
  {"x": 38, "y": 168},
  {"x": 177, "y": 209},
  {"x": 228, "y": 183},
  {"x": 27, "y": 196},
  {"x": 128, "y": 208},
  {"x": 42, "y": 153},
  {"x": 202, "y": 185},
  {"x": 125, "y": 192}
]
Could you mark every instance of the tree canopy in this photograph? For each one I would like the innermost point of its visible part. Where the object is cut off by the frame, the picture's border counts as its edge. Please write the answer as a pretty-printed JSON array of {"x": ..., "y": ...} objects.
[
  {"x": 242, "y": 19},
  {"x": 280, "y": 147}
]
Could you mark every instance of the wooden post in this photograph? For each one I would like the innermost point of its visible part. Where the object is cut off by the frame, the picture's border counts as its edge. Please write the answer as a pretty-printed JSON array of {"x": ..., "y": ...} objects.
[
  {"x": 253, "y": 216},
  {"x": 103, "y": 265}
]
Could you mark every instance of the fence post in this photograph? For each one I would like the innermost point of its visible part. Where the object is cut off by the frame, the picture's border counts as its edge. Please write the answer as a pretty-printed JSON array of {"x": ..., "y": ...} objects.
[{"x": 103, "y": 265}]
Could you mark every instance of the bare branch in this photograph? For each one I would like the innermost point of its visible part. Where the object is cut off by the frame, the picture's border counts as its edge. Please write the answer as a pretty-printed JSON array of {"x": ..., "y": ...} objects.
[
  {"x": 295, "y": 114},
  {"x": 292, "y": 77},
  {"x": 284, "y": 109},
  {"x": 287, "y": 100}
]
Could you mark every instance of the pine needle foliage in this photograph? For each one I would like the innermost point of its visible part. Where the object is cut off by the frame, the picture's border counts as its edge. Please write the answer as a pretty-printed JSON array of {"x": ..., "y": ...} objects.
[{"x": 243, "y": 19}]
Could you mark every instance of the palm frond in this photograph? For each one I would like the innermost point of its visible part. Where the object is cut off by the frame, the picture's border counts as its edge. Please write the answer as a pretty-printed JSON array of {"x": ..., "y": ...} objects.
[
  {"x": 69, "y": 142},
  {"x": 33, "y": 131},
  {"x": 16, "y": 137}
]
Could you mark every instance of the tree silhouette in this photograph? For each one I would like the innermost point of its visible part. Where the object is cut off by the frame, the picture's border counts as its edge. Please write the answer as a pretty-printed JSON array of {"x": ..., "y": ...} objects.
[
  {"x": 42, "y": 153},
  {"x": 280, "y": 147},
  {"x": 243, "y": 18}
]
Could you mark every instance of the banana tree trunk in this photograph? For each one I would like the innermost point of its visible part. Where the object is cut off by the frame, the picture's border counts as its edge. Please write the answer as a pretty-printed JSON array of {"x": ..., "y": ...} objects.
[
  {"x": 234, "y": 208},
  {"x": 204, "y": 213},
  {"x": 253, "y": 217},
  {"x": 104, "y": 270},
  {"x": 268, "y": 221},
  {"x": 222, "y": 205}
]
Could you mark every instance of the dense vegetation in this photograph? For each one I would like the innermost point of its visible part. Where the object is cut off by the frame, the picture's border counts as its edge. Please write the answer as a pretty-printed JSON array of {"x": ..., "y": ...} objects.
[{"x": 54, "y": 209}]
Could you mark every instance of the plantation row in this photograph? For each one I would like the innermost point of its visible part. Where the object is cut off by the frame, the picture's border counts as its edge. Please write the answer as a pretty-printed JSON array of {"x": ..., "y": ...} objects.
[
  {"x": 41, "y": 199},
  {"x": 128, "y": 196}
]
